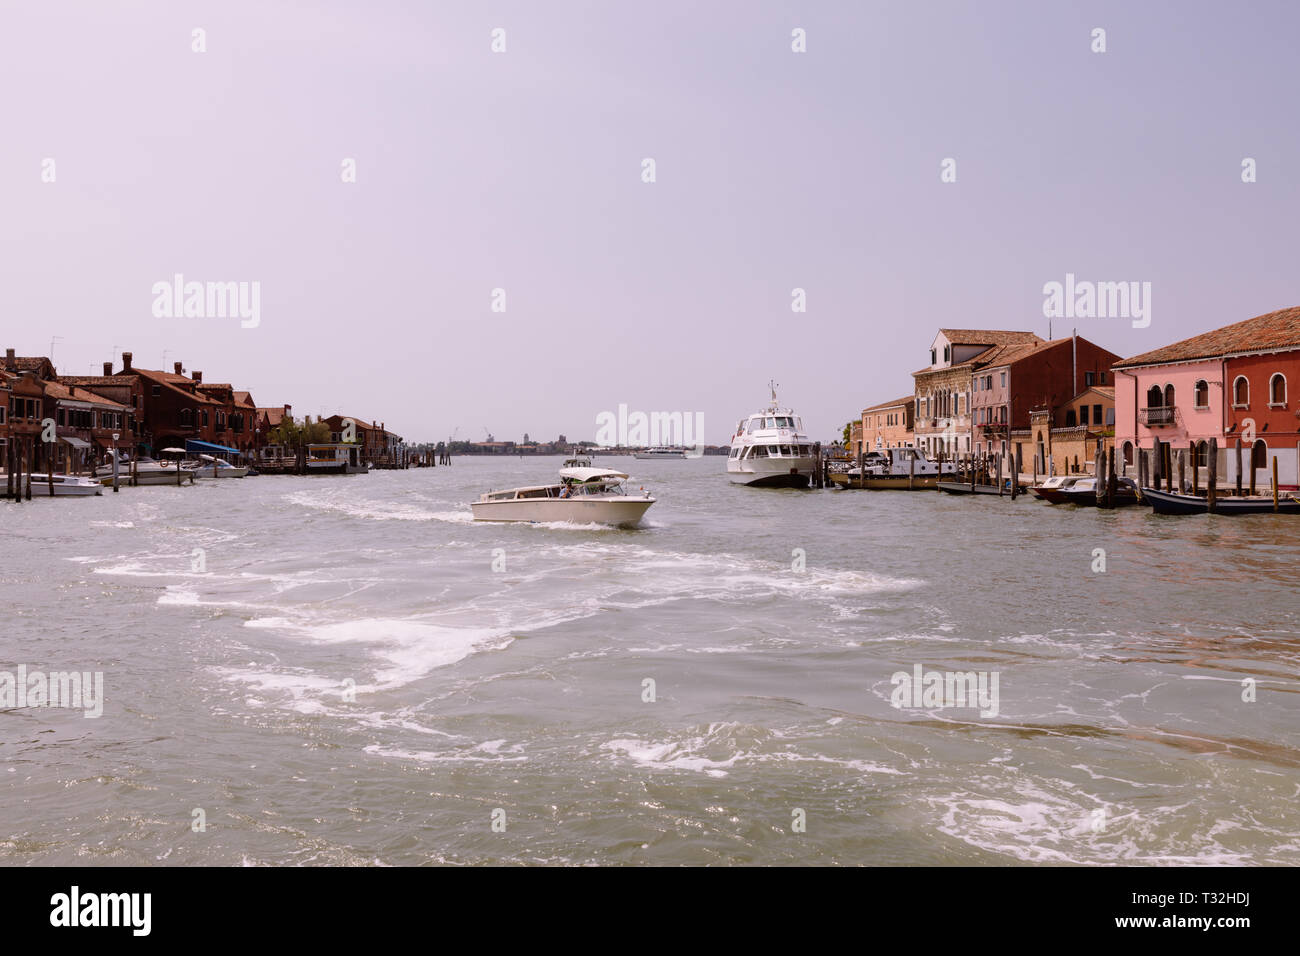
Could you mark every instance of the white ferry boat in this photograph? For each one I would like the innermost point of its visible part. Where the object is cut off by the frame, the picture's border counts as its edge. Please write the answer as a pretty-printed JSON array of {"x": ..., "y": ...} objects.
[
  {"x": 660, "y": 453},
  {"x": 771, "y": 449},
  {"x": 584, "y": 495}
]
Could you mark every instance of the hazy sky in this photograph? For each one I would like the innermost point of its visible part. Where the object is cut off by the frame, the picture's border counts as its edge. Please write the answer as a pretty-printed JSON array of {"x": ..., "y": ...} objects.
[{"x": 522, "y": 170}]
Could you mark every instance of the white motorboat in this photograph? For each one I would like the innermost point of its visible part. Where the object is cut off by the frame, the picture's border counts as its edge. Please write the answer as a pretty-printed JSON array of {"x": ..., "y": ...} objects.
[
  {"x": 584, "y": 495},
  {"x": 146, "y": 471},
  {"x": 64, "y": 486},
  {"x": 660, "y": 453},
  {"x": 209, "y": 467},
  {"x": 770, "y": 449}
]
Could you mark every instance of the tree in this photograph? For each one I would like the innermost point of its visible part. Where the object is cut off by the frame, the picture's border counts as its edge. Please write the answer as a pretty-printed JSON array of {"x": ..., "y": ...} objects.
[
  {"x": 848, "y": 433},
  {"x": 297, "y": 435}
]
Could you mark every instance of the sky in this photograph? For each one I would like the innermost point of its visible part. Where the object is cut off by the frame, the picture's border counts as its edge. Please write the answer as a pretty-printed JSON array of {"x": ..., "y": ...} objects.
[{"x": 522, "y": 171}]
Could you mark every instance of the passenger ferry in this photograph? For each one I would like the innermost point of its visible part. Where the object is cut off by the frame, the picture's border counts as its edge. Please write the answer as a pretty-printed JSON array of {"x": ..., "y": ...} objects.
[
  {"x": 770, "y": 449},
  {"x": 660, "y": 453}
]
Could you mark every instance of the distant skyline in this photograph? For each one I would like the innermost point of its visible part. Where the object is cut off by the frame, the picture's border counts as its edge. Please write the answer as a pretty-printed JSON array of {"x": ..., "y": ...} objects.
[{"x": 523, "y": 171}]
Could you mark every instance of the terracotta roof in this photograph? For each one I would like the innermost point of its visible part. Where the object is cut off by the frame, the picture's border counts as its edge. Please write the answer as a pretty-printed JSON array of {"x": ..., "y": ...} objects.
[
  {"x": 97, "y": 379},
  {"x": 1275, "y": 330},
  {"x": 987, "y": 336},
  {"x": 30, "y": 363},
  {"x": 907, "y": 399},
  {"x": 244, "y": 399},
  {"x": 274, "y": 414},
  {"x": 1002, "y": 353},
  {"x": 168, "y": 380},
  {"x": 62, "y": 390}
]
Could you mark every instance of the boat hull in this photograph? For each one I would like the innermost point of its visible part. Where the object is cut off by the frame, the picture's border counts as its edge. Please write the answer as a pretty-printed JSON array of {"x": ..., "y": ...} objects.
[
  {"x": 65, "y": 487},
  {"x": 886, "y": 482},
  {"x": 964, "y": 488},
  {"x": 771, "y": 472},
  {"x": 1165, "y": 503},
  {"x": 623, "y": 511}
]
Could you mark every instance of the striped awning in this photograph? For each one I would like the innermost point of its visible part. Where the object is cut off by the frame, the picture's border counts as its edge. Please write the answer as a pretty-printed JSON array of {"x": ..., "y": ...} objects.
[{"x": 74, "y": 442}]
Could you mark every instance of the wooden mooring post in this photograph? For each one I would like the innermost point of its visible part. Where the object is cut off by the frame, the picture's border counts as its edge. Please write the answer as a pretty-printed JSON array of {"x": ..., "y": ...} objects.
[
  {"x": 1212, "y": 479},
  {"x": 1196, "y": 470},
  {"x": 1275, "y": 484},
  {"x": 1182, "y": 471},
  {"x": 1239, "y": 466}
]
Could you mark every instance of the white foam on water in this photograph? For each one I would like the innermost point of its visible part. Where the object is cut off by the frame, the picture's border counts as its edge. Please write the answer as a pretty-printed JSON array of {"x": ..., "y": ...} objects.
[
  {"x": 407, "y": 649},
  {"x": 374, "y": 510},
  {"x": 492, "y": 751}
]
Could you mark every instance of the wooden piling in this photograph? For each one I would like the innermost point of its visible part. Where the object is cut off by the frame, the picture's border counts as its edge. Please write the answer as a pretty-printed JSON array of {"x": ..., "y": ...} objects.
[
  {"x": 1112, "y": 484},
  {"x": 1252, "y": 472},
  {"x": 1275, "y": 484},
  {"x": 1182, "y": 471},
  {"x": 1239, "y": 466},
  {"x": 1196, "y": 470},
  {"x": 999, "y": 475},
  {"x": 1212, "y": 479},
  {"x": 911, "y": 472}
]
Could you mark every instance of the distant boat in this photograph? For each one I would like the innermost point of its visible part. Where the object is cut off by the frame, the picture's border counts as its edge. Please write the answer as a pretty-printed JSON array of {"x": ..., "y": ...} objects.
[
  {"x": 210, "y": 467},
  {"x": 65, "y": 486},
  {"x": 770, "y": 449},
  {"x": 660, "y": 453},
  {"x": 965, "y": 488},
  {"x": 1166, "y": 503},
  {"x": 584, "y": 495}
]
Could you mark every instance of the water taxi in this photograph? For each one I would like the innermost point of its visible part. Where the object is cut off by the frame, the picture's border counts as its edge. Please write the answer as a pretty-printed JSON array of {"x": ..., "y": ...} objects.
[{"x": 583, "y": 495}]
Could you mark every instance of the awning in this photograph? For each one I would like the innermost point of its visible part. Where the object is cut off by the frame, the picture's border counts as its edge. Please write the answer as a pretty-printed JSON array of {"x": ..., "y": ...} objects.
[
  {"x": 75, "y": 442},
  {"x": 193, "y": 444}
]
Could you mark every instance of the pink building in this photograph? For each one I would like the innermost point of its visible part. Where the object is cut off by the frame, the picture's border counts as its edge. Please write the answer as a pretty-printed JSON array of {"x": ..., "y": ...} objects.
[{"x": 1183, "y": 394}]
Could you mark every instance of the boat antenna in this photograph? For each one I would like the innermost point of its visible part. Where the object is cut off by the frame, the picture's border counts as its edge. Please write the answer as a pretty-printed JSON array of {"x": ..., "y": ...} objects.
[{"x": 771, "y": 384}]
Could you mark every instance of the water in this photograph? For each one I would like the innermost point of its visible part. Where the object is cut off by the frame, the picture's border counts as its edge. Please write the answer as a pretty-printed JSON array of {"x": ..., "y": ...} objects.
[{"x": 332, "y": 671}]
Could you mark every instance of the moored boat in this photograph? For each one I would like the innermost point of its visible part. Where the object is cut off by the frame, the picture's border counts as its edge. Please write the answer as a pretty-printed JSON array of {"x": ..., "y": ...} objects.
[
  {"x": 966, "y": 488},
  {"x": 771, "y": 450},
  {"x": 660, "y": 453},
  {"x": 1084, "y": 493},
  {"x": 898, "y": 469},
  {"x": 1173, "y": 503},
  {"x": 64, "y": 486},
  {"x": 146, "y": 471},
  {"x": 1051, "y": 489}
]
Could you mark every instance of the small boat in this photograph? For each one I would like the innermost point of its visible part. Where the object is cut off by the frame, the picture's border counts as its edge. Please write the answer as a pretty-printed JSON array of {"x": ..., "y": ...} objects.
[
  {"x": 1167, "y": 503},
  {"x": 771, "y": 450},
  {"x": 660, "y": 453},
  {"x": 209, "y": 467},
  {"x": 147, "y": 472},
  {"x": 965, "y": 488},
  {"x": 1051, "y": 489},
  {"x": 893, "y": 469},
  {"x": 584, "y": 495},
  {"x": 1084, "y": 493},
  {"x": 65, "y": 486}
]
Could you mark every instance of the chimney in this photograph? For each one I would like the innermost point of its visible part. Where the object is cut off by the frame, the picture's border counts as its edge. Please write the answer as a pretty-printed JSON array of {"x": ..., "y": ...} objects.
[
  {"x": 197, "y": 376},
  {"x": 126, "y": 361},
  {"x": 10, "y": 364},
  {"x": 108, "y": 369},
  {"x": 177, "y": 367}
]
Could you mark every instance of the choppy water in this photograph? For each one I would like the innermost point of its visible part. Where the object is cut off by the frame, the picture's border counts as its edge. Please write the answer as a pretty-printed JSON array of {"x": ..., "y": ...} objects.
[{"x": 1121, "y": 737}]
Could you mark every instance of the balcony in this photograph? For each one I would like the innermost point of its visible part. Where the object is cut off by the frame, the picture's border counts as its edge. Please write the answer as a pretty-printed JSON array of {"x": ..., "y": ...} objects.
[{"x": 1155, "y": 416}]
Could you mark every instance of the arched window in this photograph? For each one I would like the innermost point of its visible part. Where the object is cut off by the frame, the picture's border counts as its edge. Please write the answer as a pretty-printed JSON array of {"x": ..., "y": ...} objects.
[
  {"x": 1169, "y": 396},
  {"x": 187, "y": 417},
  {"x": 1202, "y": 394},
  {"x": 1241, "y": 392},
  {"x": 1259, "y": 455},
  {"x": 1154, "y": 397},
  {"x": 1202, "y": 454},
  {"x": 1128, "y": 453},
  {"x": 1277, "y": 389}
]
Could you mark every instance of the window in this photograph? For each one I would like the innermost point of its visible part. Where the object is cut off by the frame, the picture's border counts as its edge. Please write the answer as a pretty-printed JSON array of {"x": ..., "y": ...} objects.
[
  {"x": 1128, "y": 453},
  {"x": 1202, "y": 454},
  {"x": 1169, "y": 396},
  {"x": 1087, "y": 379},
  {"x": 1201, "y": 394},
  {"x": 1096, "y": 414},
  {"x": 1070, "y": 420},
  {"x": 1277, "y": 391},
  {"x": 1155, "y": 398},
  {"x": 157, "y": 390},
  {"x": 1259, "y": 455},
  {"x": 947, "y": 352},
  {"x": 1004, "y": 380},
  {"x": 933, "y": 358},
  {"x": 1241, "y": 392},
  {"x": 1083, "y": 414}
]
